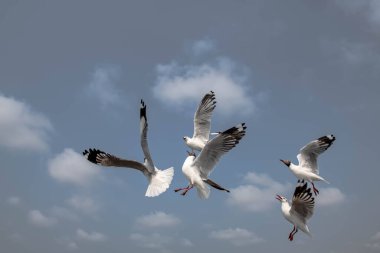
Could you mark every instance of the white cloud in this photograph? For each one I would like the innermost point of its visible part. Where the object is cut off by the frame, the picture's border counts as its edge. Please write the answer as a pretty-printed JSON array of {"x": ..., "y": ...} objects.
[
  {"x": 330, "y": 196},
  {"x": 37, "y": 218},
  {"x": 21, "y": 127},
  {"x": 84, "y": 204},
  {"x": 178, "y": 85},
  {"x": 236, "y": 236},
  {"x": 258, "y": 194},
  {"x": 71, "y": 167},
  {"x": 203, "y": 46},
  {"x": 92, "y": 237},
  {"x": 158, "y": 219},
  {"x": 153, "y": 241},
  {"x": 102, "y": 85},
  {"x": 14, "y": 201}
]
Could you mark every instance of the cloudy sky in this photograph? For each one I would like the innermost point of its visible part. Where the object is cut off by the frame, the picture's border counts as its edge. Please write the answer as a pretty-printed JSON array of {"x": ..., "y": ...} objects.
[{"x": 72, "y": 74}]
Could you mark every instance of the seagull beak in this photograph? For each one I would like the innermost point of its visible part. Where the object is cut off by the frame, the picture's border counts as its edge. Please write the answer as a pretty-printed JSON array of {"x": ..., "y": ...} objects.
[
  {"x": 278, "y": 197},
  {"x": 286, "y": 162}
]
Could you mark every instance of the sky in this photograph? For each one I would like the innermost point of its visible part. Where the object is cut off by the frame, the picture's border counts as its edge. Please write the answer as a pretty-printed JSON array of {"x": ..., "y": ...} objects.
[{"x": 72, "y": 74}]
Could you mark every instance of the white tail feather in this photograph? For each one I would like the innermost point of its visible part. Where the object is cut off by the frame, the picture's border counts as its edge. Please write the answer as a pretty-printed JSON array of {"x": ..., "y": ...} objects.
[
  {"x": 159, "y": 182},
  {"x": 203, "y": 190}
]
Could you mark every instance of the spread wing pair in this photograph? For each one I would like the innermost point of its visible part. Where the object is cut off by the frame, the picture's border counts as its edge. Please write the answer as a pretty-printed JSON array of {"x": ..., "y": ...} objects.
[{"x": 159, "y": 180}]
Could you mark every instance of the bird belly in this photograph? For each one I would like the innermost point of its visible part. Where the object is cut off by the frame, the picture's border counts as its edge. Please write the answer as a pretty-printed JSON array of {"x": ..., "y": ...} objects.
[{"x": 196, "y": 144}]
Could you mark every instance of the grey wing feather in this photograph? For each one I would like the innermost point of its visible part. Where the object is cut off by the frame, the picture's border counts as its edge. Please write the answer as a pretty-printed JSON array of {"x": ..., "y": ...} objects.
[
  {"x": 144, "y": 138},
  {"x": 202, "y": 116},
  {"x": 308, "y": 155},
  {"x": 102, "y": 158},
  {"x": 302, "y": 202},
  {"x": 218, "y": 146}
]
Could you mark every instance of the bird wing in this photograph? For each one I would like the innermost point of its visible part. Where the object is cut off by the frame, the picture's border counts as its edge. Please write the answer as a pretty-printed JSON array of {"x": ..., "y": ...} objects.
[
  {"x": 215, "y": 148},
  {"x": 202, "y": 117},
  {"x": 308, "y": 155},
  {"x": 302, "y": 202},
  {"x": 102, "y": 158},
  {"x": 144, "y": 138}
]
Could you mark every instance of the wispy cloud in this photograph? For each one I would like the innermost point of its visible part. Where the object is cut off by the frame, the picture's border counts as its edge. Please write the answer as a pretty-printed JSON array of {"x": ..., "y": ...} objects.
[
  {"x": 330, "y": 196},
  {"x": 374, "y": 242},
  {"x": 83, "y": 204},
  {"x": 371, "y": 9},
  {"x": 153, "y": 241},
  {"x": 157, "y": 220},
  {"x": 237, "y": 236},
  {"x": 72, "y": 246},
  {"x": 257, "y": 194},
  {"x": 91, "y": 237},
  {"x": 70, "y": 167},
  {"x": 62, "y": 213},
  {"x": 102, "y": 85},
  {"x": 178, "y": 85},
  {"x": 14, "y": 201},
  {"x": 36, "y": 218},
  {"x": 21, "y": 127},
  {"x": 202, "y": 46}
]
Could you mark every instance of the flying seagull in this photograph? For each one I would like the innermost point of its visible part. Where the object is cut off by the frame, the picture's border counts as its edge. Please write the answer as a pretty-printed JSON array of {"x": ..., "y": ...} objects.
[
  {"x": 202, "y": 123},
  {"x": 159, "y": 180},
  {"x": 197, "y": 169},
  {"x": 300, "y": 210},
  {"x": 307, "y": 168}
]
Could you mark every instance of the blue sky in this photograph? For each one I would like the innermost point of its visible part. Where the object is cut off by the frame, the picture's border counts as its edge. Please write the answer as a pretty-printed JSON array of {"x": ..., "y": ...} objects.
[{"x": 72, "y": 74}]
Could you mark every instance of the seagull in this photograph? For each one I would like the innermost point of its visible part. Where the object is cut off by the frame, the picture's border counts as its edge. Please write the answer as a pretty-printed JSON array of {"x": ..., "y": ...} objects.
[
  {"x": 197, "y": 169},
  {"x": 307, "y": 168},
  {"x": 300, "y": 210},
  {"x": 202, "y": 123},
  {"x": 159, "y": 180}
]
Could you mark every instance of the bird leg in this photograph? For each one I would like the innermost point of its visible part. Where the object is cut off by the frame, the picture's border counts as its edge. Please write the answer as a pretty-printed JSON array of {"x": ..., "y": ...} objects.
[
  {"x": 315, "y": 190},
  {"x": 186, "y": 190},
  {"x": 294, "y": 231},
  {"x": 291, "y": 234}
]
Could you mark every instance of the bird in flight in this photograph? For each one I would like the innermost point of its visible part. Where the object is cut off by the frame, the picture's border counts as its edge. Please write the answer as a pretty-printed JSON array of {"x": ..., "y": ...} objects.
[
  {"x": 159, "y": 180},
  {"x": 198, "y": 169},
  {"x": 307, "y": 167},
  {"x": 300, "y": 210},
  {"x": 202, "y": 123}
]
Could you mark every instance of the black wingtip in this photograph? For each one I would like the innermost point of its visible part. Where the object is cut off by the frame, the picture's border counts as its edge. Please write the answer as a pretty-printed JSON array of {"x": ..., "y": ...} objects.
[
  {"x": 91, "y": 154},
  {"x": 143, "y": 109}
]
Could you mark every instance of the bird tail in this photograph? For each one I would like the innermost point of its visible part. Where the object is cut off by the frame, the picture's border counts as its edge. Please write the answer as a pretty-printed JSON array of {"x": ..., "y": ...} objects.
[
  {"x": 322, "y": 179},
  {"x": 203, "y": 190},
  {"x": 159, "y": 182},
  {"x": 306, "y": 230}
]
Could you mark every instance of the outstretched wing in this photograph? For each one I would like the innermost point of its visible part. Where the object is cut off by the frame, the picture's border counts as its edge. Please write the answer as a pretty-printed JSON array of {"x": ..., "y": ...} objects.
[
  {"x": 308, "y": 155},
  {"x": 302, "y": 202},
  {"x": 144, "y": 138},
  {"x": 215, "y": 148},
  {"x": 202, "y": 117},
  {"x": 102, "y": 158}
]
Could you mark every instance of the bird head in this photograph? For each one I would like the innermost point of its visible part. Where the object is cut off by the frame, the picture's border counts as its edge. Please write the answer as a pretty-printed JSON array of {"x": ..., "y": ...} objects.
[
  {"x": 286, "y": 162},
  {"x": 281, "y": 198},
  {"x": 186, "y": 138}
]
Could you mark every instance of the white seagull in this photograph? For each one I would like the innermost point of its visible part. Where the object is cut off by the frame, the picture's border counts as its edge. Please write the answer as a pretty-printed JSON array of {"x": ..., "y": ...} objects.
[
  {"x": 159, "y": 180},
  {"x": 197, "y": 169},
  {"x": 202, "y": 123},
  {"x": 300, "y": 210},
  {"x": 307, "y": 168}
]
